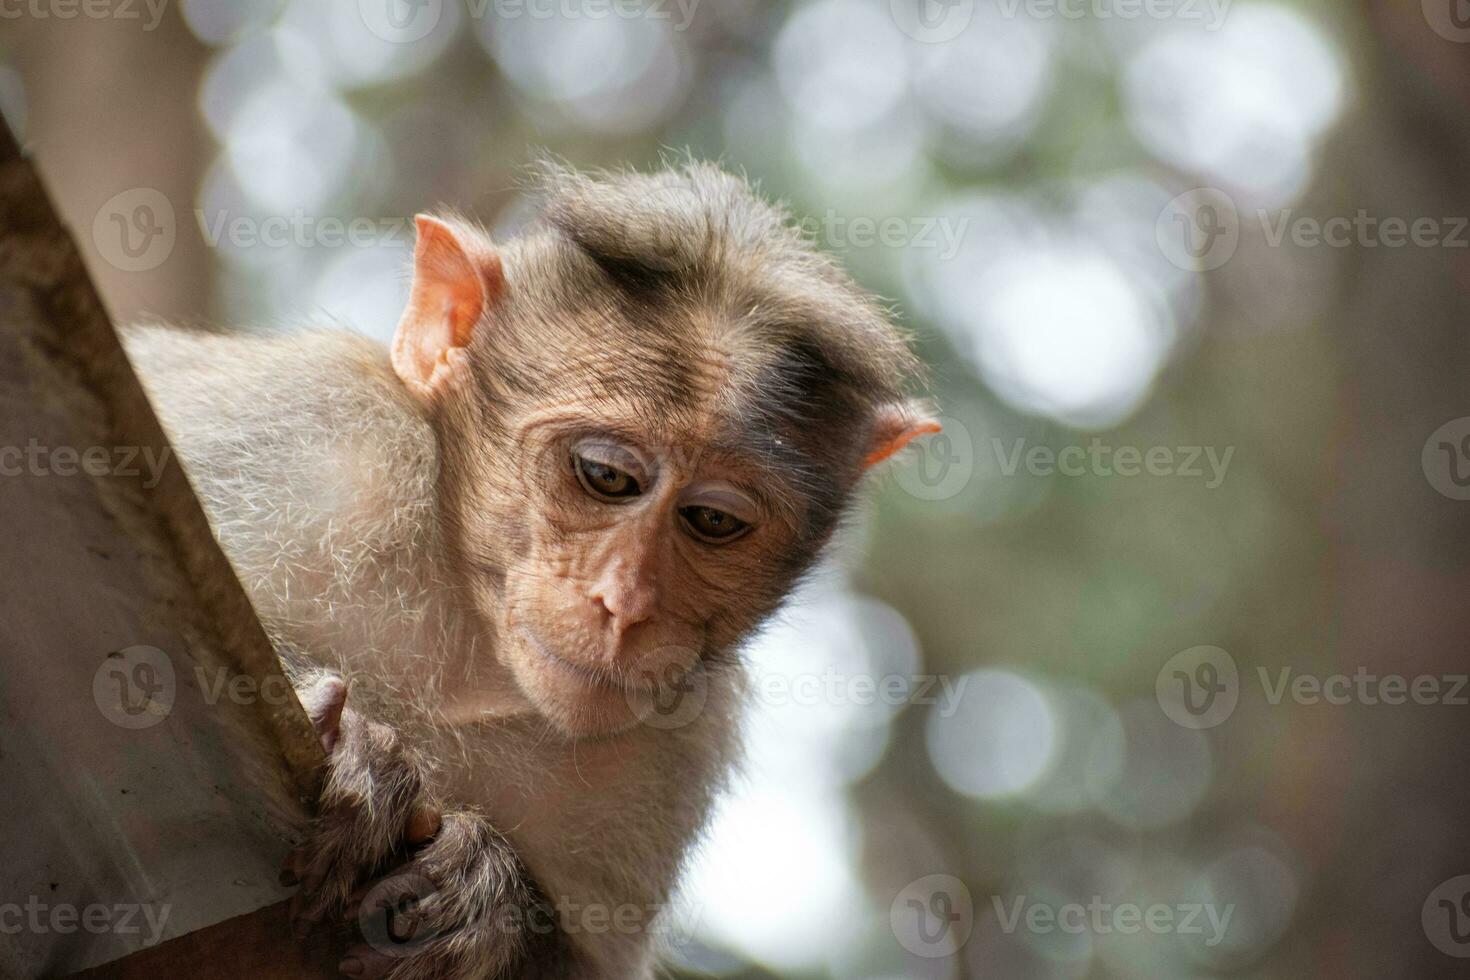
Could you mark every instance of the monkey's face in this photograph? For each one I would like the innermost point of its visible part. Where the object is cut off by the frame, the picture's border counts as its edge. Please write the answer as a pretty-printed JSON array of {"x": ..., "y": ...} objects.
[
  {"x": 649, "y": 420},
  {"x": 633, "y": 561}
]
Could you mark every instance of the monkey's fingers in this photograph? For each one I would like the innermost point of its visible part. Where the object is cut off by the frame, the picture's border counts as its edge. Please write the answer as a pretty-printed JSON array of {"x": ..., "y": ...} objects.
[
  {"x": 294, "y": 867},
  {"x": 363, "y": 962},
  {"x": 407, "y": 872},
  {"x": 398, "y": 915},
  {"x": 421, "y": 828},
  {"x": 324, "y": 701},
  {"x": 423, "y": 824},
  {"x": 456, "y": 909},
  {"x": 437, "y": 948},
  {"x": 327, "y": 868},
  {"x": 301, "y": 922},
  {"x": 374, "y": 806}
]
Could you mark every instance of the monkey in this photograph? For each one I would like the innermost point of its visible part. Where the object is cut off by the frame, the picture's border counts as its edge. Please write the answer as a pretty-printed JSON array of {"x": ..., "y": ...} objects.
[{"x": 529, "y": 537}]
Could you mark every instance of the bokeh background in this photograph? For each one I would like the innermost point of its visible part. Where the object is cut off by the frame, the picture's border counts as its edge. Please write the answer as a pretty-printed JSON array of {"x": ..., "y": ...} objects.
[{"x": 1001, "y": 645}]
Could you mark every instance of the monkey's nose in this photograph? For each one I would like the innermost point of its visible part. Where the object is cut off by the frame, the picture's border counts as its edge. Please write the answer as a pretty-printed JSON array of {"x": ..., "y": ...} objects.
[{"x": 625, "y": 605}]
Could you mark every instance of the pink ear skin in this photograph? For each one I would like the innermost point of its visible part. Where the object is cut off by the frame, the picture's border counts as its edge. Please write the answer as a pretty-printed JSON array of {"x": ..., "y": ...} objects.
[
  {"x": 456, "y": 277},
  {"x": 899, "y": 425}
]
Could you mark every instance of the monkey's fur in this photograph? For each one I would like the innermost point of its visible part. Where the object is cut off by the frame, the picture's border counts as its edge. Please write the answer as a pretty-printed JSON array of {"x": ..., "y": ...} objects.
[{"x": 412, "y": 524}]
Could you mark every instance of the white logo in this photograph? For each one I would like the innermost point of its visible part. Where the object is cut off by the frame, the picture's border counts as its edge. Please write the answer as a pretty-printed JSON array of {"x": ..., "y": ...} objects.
[
  {"x": 938, "y": 466},
  {"x": 933, "y": 916},
  {"x": 675, "y": 694},
  {"x": 392, "y": 916},
  {"x": 932, "y": 21},
  {"x": 1446, "y": 917},
  {"x": 134, "y": 687},
  {"x": 1446, "y": 459},
  {"x": 1199, "y": 230},
  {"x": 1450, "y": 19},
  {"x": 400, "y": 21},
  {"x": 134, "y": 231},
  {"x": 1199, "y": 687}
]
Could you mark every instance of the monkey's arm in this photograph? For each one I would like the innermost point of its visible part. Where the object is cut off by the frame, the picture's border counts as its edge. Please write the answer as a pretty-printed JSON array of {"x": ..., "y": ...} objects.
[{"x": 428, "y": 892}]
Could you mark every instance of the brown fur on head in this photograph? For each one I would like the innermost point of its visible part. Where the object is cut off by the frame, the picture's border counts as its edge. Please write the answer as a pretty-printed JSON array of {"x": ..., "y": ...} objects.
[{"x": 669, "y": 334}]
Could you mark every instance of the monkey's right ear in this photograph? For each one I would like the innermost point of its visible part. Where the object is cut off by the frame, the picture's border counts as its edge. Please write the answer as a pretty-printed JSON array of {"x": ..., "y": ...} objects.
[
  {"x": 456, "y": 276},
  {"x": 896, "y": 426}
]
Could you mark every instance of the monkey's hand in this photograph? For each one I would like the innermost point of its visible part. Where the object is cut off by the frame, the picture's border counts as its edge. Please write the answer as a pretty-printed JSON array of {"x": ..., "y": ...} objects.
[
  {"x": 457, "y": 905},
  {"x": 374, "y": 805},
  {"x": 462, "y": 908}
]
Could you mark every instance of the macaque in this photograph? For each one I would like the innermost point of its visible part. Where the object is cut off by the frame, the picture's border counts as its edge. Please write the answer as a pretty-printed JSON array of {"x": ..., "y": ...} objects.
[{"x": 529, "y": 538}]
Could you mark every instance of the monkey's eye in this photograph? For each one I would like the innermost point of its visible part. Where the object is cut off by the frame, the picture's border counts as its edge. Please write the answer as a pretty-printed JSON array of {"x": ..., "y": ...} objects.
[
  {"x": 605, "y": 481},
  {"x": 714, "y": 526}
]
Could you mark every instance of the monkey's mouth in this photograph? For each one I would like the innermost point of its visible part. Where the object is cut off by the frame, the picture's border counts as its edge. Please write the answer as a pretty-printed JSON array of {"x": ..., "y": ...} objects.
[{"x": 602, "y": 680}]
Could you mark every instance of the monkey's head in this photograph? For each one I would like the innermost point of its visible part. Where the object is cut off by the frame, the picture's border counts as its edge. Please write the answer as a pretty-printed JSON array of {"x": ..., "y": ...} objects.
[{"x": 652, "y": 411}]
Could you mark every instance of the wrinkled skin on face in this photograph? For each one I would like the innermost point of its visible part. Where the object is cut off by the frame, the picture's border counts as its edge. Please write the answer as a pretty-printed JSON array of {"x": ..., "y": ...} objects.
[
  {"x": 639, "y": 553},
  {"x": 643, "y": 442}
]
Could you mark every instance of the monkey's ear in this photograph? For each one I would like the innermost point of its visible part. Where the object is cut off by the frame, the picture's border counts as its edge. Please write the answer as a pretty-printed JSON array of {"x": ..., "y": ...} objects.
[
  {"x": 897, "y": 425},
  {"x": 456, "y": 276}
]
